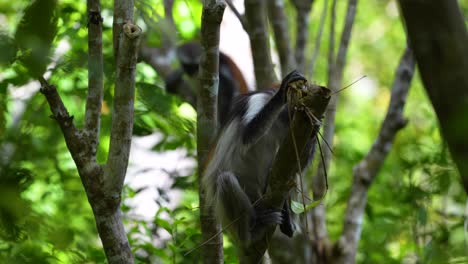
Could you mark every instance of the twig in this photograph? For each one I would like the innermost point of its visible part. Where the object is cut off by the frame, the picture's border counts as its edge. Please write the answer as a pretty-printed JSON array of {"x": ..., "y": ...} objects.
[
  {"x": 279, "y": 22},
  {"x": 73, "y": 136},
  {"x": 255, "y": 14},
  {"x": 318, "y": 40},
  {"x": 303, "y": 8},
  {"x": 237, "y": 14},
  {"x": 318, "y": 213},
  {"x": 335, "y": 75}
]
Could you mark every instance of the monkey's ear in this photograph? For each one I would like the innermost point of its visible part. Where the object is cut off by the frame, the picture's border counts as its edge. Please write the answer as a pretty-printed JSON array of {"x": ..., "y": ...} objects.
[{"x": 292, "y": 77}]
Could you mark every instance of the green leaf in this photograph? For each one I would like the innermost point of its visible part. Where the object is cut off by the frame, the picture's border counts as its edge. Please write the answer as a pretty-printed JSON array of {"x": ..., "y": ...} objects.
[
  {"x": 35, "y": 34},
  {"x": 8, "y": 48},
  {"x": 164, "y": 224},
  {"x": 298, "y": 208}
]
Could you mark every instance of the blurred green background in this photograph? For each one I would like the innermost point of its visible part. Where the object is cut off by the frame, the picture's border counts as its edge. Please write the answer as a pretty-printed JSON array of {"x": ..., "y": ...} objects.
[{"x": 416, "y": 208}]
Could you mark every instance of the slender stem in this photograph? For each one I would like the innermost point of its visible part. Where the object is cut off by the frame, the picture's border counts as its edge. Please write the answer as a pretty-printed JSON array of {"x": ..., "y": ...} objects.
[
  {"x": 280, "y": 26},
  {"x": 255, "y": 14}
]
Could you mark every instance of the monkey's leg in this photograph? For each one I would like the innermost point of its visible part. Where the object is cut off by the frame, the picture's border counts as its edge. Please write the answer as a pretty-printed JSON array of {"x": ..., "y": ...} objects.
[
  {"x": 235, "y": 205},
  {"x": 248, "y": 222}
]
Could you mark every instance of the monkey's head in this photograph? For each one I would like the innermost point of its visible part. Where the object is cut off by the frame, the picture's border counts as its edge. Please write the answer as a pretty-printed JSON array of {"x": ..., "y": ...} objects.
[{"x": 189, "y": 57}]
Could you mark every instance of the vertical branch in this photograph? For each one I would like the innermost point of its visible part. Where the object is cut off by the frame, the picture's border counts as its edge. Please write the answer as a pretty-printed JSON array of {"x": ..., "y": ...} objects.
[
  {"x": 303, "y": 8},
  {"x": 123, "y": 12},
  {"x": 344, "y": 42},
  {"x": 212, "y": 15},
  {"x": 168, "y": 27},
  {"x": 318, "y": 39},
  {"x": 439, "y": 37},
  {"x": 279, "y": 22},
  {"x": 331, "y": 42},
  {"x": 122, "y": 113},
  {"x": 95, "y": 76},
  {"x": 255, "y": 15},
  {"x": 106, "y": 200},
  {"x": 366, "y": 170},
  {"x": 318, "y": 181},
  {"x": 168, "y": 5},
  {"x": 335, "y": 75}
]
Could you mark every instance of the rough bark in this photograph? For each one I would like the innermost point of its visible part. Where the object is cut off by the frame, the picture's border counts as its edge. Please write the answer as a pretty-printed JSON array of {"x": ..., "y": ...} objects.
[
  {"x": 122, "y": 113},
  {"x": 280, "y": 26},
  {"x": 282, "y": 178},
  {"x": 255, "y": 15},
  {"x": 103, "y": 184},
  {"x": 123, "y": 12},
  {"x": 213, "y": 10},
  {"x": 367, "y": 169},
  {"x": 439, "y": 39},
  {"x": 303, "y": 8},
  {"x": 95, "y": 76}
]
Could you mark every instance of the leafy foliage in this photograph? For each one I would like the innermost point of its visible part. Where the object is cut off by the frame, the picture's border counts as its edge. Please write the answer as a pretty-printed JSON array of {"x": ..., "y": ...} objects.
[
  {"x": 34, "y": 35},
  {"x": 416, "y": 204}
]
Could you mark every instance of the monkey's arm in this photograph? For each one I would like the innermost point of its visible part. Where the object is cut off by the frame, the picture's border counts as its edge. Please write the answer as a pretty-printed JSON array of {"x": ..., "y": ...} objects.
[{"x": 257, "y": 126}]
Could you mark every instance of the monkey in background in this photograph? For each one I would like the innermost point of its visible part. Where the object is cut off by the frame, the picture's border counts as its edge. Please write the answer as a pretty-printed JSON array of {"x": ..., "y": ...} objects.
[
  {"x": 236, "y": 176},
  {"x": 231, "y": 80}
]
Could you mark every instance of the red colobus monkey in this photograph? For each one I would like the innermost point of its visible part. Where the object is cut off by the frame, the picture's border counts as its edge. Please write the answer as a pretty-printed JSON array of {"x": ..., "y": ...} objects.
[
  {"x": 231, "y": 80},
  {"x": 235, "y": 179}
]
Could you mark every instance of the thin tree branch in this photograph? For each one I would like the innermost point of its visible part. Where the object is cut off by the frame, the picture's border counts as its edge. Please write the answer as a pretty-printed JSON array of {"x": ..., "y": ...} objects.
[
  {"x": 283, "y": 173},
  {"x": 318, "y": 39},
  {"x": 344, "y": 43},
  {"x": 95, "y": 76},
  {"x": 279, "y": 22},
  {"x": 303, "y": 8},
  {"x": 439, "y": 37},
  {"x": 168, "y": 5},
  {"x": 73, "y": 136},
  {"x": 212, "y": 15},
  {"x": 335, "y": 75},
  {"x": 122, "y": 113},
  {"x": 318, "y": 213},
  {"x": 237, "y": 14},
  {"x": 367, "y": 169},
  {"x": 168, "y": 27},
  {"x": 255, "y": 14}
]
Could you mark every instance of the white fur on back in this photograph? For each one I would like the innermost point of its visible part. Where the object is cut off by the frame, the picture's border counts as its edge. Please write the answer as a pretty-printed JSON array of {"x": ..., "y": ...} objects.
[{"x": 255, "y": 104}]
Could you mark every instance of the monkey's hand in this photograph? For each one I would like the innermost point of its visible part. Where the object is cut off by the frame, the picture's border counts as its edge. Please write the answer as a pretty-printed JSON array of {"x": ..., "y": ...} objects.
[
  {"x": 264, "y": 218},
  {"x": 294, "y": 79}
]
